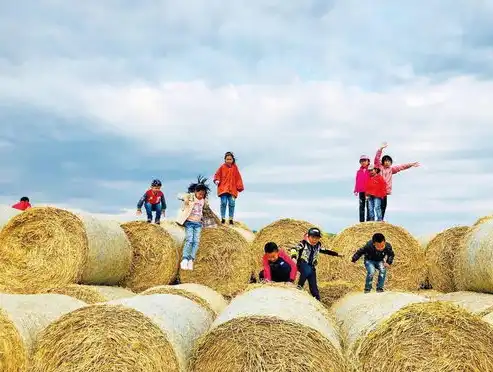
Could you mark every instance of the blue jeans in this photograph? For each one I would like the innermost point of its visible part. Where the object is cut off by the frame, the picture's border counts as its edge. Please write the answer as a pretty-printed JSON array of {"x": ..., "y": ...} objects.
[
  {"x": 158, "y": 208},
  {"x": 192, "y": 239},
  {"x": 227, "y": 200},
  {"x": 371, "y": 266},
  {"x": 308, "y": 272},
  {"x": 374, "y": 207}
]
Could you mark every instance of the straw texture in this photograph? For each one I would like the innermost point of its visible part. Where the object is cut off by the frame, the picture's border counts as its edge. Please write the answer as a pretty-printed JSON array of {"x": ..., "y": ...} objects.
[
  {"x": 6, "y": 213},
  {"x": 22, "y": 318},
  {"x": 155, "y": 256},
  {"x": 480, "y": 220},
  {"x": 41, "y": 247},
  {"x": 110, "y": 253},
  {"x": 434, "y": 337},
  {"x": 152, "y": 333},
  {"x": 476, "y": 303},
  {"x": 248, "y": 334},
  {"x": 330, "y": 292},
  {"x": 440, "y": 257},
  {"x": 222, "y": 262},
  {"x": 407, "y": 272},
  {"x": 204, "y": 296},
  {"x": 473, "y": 268},
  {"x": 92, "y": 294}
]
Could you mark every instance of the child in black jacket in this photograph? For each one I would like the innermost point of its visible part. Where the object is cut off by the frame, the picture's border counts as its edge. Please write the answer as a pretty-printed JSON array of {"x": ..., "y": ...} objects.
[{"x": 375, "y": 252}]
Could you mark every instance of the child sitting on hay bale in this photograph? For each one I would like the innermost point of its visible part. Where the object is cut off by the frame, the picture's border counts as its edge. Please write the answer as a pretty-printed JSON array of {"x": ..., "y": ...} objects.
[
  {"x": 278, "y": 266},
  {"x": 375, "y": 252},
  {"x": 305, "y": 255},
  {"x": 153, "y": 200},
  {"x": 195, "y": 214},
  {"x": 23, "y": 204}
]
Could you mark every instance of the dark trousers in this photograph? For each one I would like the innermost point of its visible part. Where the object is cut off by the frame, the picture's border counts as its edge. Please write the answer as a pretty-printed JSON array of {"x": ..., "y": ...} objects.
[
  {"x": 363, "y": 204},
  {"x": 308, "y": 272},
  {"x": 281, "y": 274},
  {"x": 383, "y": 206}
]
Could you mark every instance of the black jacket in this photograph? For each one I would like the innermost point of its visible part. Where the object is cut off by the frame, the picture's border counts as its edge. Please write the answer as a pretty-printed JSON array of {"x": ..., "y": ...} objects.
[{"x": 371, "y": 253}]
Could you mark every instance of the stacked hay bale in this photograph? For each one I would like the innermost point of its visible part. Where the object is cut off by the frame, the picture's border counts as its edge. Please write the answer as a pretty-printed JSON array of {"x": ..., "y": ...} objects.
[
  {"x": 440, "y": 258},
  {"x": 92, "y": 294},
  {"x": 22, "y": 319},
  {"x": 473, "y": 267},
  {"x": 330, "y": 292},
  {"x": 247, "y": 335},
  {"x": 407, "y": 271},
  {"x": 204, "y": 296},
  {"x": 477, "y": 303},
  {"x": 155, "y": 256},
  {"x": 152, "y": 333},
  {"x": 394, "y": 340},
  {"x": 223, "y": 262}
]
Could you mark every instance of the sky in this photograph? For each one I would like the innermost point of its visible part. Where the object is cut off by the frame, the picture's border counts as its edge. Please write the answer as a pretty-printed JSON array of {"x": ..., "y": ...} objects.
[{"x": 99, "y": 98}]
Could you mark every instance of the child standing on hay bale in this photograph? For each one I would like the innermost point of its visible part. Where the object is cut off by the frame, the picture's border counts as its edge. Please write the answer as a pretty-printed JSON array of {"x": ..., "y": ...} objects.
[
  {"x": 192, "y": 217},
  {"x": 229, "y": 184},
  {"x": 362, "y": 176},
  {"x": 23, "y": 204},
  {"x": 388, "y": 170},
  {"x": 278, "y": 266},
  {"x": 153, "y": 200},
  {"x": 305, "y": 254},
  {"x": 375, "y": 252},
  {"x": 376, "y": 190}
]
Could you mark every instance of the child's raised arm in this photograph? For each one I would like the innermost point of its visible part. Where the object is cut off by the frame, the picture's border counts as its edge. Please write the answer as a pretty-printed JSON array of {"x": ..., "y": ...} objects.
[
  {"x": 401, "y": 167},
  {"x": 377, "y": 162}
]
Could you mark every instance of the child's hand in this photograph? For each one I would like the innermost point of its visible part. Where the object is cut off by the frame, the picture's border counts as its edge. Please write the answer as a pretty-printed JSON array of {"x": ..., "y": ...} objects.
[
  {"x": 216, "y": 182},
  {"x": 386, "y": 265},
  {"x": 383, "y": 145},
  {"x": 356, "y": 193},
  {"x": 139, "y": 212},
  {"x": 416, "y": 164},
  {"x": 341, "y": 256}
]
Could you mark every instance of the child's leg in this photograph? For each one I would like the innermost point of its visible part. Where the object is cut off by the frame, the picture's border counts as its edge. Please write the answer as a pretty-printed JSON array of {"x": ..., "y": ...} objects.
[
  {"x": 197, "y": 229},
  {"x": 187, "y": 247},
  {"x": 231, "y": 206},
  {"x": 312, "y": 282},
  {"x": 224, "y": 202},
  {"x": 148, "y": 207},
  {"x": 370, "y": 271},
  {"x": 378, "y": 209},
  {"x": 382, "y": 273},
  {"x": 384, "y": 206},
  {"x": 371, "y": 208},
  {"x": 159, "y": 210},
  {"x": 362, "y": 206},
  {"x": 305, "y": 271}
]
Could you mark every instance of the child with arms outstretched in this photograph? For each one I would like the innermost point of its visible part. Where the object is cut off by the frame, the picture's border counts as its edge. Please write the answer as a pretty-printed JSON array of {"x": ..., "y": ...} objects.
[{"x": 229, "y": 184}]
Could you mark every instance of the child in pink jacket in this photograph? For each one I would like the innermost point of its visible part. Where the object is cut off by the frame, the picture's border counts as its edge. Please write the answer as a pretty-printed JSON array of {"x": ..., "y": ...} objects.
[
  {"x": 362, "y": 176},
  {"x": 387, "y": 170}
]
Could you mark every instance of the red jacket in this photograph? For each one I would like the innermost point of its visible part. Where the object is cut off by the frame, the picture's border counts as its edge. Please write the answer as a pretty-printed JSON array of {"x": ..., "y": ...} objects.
[
  {"x": 376, "y": 186},
  {"x": 230, "y": 181},
  {"x": 286, "y": 258},
  {"x": 23, "y": 205}
]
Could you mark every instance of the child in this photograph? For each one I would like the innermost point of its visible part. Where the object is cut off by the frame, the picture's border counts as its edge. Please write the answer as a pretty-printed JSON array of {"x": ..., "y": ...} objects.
[
  {"x": 387, "y": 170},
  {"x": 375, "y": 251},
  {"x": 278, "y": 266},
  {"x": 229, "y": 184},
  {"x": 23, "y": 204},
  {"x": 191, "y": 216},
  {"x": 376, "y": 190},
  {"x": 306, "y": 254},
  {"x": 153, "y": 200},
  {"x": 362, "y": 176}
]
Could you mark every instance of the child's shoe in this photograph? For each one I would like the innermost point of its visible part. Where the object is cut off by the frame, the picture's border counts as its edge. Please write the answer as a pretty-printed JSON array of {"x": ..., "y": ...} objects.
[
  {"x": 190, "y": 265},
  {"x": 149, "y": 221},
  {"x": 231, "y": 222},
  {"x": 184, "y": 264},
  {"x": 158, "y": 222},
  {"x": 379, "y": 290},
  {"x": 367, "y": 290},
  {"x": 223, "y": 221}
]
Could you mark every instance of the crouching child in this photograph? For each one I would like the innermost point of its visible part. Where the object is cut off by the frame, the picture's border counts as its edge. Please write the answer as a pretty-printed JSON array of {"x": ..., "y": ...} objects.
[
  {"x": 278, "y": 266},
  {"x": 306, "y": 256},
  {"x": 378, "y": 256}
]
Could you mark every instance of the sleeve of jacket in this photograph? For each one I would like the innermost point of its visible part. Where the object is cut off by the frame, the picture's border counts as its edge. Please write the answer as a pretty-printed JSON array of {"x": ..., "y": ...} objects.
[
  {"x": 390, "y": 254},
  {"x": 329, "y": 252},
  {"x": 377, "y": 162},
  {"x": 239, "y": 181},
  {"x": 355, "y": 182},
  {"x": 401, "y": 167},
  {"x": 267, "y": 273},
  {"x": 294, "y": 269},
  {"x": 163, "y": 202},
  {"x": 360, "y": 252},
  {"x": 217, "y": 175},
  {"x": 142, "y": 201}
]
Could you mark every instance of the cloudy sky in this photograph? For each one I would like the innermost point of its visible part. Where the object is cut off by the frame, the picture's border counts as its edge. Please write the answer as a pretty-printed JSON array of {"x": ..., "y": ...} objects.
[{"x": 97, "y": 98}]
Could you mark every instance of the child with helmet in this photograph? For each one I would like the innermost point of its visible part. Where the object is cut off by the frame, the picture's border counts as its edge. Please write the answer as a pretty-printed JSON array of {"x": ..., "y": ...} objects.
[{"x": 154, "y": 201}]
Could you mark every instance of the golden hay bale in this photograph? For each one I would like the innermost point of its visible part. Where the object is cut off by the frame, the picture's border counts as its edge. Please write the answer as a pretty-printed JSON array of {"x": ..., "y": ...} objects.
[
  {"x": 204, "y": 296},
  {"x": 110, "y": 253},
  {"x": 432, "y": 336},
  {"x": 6, "y": 213},
  {"x": 407, "y": 271},
  {"x": 330, "y": 292},
  {"x": 176, "y": 231},
  {"x": 270, "y": 328},
  {"x": 22, "y": 318},
  {"x": 92, "y": 294},
  {"x": 476, "y": 303},
  {"x": 222, "y": 262},
  {"x": 41, "y": 247},
  {"x": 155, "y": 260},
  {"x": 152, "y": 333},
  {"x": 473, "y": 266},
  {"x": 440, "y": 258}
]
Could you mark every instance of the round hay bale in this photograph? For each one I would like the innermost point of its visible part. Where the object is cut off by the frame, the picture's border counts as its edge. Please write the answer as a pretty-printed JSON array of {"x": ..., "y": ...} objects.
[
  {"x": 22, "y": 318},
  {"x": 247, "y": 335},
  {"x": 143, "y": 334},
  {"x": 110, "y": 253},
  {"x": 222, "y": 262},
  {"x": 476, "y": 303},
  {"x": 6, "y": 213},
  {"x": 330, "y": 292},
  {"x": 41, "y": 247},
  {"x": 204, "y": 296},
  {"x": 176, "y": 231},
  {"x": 433, "y": 336},
  {"x": 359, "y": 314},
  {"x": 155, "y": 256},
  {"x": 440, "y": 257},
  {"x": 473, "y": 266},
  {"x": 409, "y": 267},
  {"x": 92, "y": 294}
]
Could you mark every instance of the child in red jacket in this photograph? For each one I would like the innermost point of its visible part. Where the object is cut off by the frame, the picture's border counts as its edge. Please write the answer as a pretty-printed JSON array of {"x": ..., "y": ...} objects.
[
  {"x": 229, "y": 184},
  {"x": 278, "y": 266},
  {"x": 376, "y": 190},
  {"x": 23, "y": 204},
  {"x": 153, "y": 200}
]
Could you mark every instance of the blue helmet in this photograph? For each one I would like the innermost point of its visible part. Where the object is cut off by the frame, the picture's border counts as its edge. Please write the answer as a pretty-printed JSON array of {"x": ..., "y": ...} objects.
[{"x": 156, "y": 183}]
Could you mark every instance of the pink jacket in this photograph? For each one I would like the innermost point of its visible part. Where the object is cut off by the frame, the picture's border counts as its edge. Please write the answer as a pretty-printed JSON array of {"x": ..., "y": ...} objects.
[
  {"x": 285, "y": 257},
  {"x": 362, "y": 176},
  {"x": 388, "y": 172}
]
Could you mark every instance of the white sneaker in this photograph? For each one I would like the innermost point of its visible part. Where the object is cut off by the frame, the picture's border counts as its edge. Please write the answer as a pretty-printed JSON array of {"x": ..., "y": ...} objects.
[
  {"x": 184, "y": 264},
  {"x": 190, "y": 265}
]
